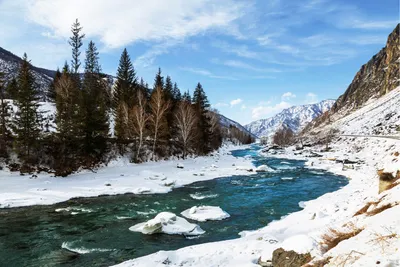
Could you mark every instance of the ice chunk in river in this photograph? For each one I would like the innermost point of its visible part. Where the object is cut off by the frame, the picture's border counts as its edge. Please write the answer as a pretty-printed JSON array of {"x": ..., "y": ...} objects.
[
  {"x": 264, "y": 168},
  {"x": 168, "y": 223},
  {"x": 205, "y": 213}
]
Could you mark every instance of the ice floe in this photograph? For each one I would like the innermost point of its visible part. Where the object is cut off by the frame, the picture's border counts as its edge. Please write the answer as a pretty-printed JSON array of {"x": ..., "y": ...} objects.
[
  {"x": 205, "y": 213},
  {"x": 168, "y": 223}
]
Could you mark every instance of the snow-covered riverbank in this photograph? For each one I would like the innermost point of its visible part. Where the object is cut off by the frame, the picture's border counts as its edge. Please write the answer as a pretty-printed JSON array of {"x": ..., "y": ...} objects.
[
  {"x": 302, "y": 231},
  {"x": 369, "y": 221},
  {"x": 118, "y": 177}
]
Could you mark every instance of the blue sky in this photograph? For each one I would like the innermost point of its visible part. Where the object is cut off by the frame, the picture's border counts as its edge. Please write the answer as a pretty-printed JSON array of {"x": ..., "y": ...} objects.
[{"x": 253, "y": 57}]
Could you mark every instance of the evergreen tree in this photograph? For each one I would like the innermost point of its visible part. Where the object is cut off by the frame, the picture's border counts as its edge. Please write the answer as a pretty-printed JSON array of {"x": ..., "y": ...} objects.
[
  {"x": 176, "y": 93},
  {"x": 69, "y": 134},
  {"x": 124, "y": 94},
  {"x": 169, "y": 90},
  {"x": 95, "y": 116},
  {"x": 12, "y": 89},
  {"x": 202, "y": 105},
  {"x": 5, "y": 109},
  {"x": 76, "y": 43},
  {"x": 27, "y": 121},
  {"x": 51, "y": 91},
  {"x": 186, "y": 97},
  {"x": 158, "y": 80}
]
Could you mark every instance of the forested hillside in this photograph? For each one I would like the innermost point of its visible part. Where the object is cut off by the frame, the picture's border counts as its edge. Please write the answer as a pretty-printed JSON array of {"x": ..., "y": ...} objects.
[{"x": 97, "y": 119}]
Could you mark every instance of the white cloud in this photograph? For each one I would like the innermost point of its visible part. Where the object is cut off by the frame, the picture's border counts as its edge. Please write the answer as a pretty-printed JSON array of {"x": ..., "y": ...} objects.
[
  {"x": 243, "y": 65},
  {"x": 240, "y": 50},
  {"x": 288, "y": 96},
  {"x": 311, "y": 98},
  {"x": 207, "y": 73},
  {"x": 372, "y": 25},
  {"x": 264, "y": 111},
  {"x": 243, "y": 107},
  {"x": 121, "y": 22},
  {"x": 236, "y": 102},
  {"x": 147, "y": 59}
]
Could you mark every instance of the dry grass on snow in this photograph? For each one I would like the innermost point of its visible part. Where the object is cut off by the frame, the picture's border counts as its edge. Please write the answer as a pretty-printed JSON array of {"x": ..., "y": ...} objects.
[{"x": 333, "y": 237}]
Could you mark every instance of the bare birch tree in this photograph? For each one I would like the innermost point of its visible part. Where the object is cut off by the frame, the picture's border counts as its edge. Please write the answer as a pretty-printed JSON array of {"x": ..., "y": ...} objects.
[
  {"x": 158, "y": 121},
  {"x": 138, "y": 121},
  {"x": 186, "y": 123}
]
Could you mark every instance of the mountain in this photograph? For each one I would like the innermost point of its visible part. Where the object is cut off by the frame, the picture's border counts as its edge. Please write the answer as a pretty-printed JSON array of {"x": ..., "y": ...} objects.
[
  {"x": 226, "y": 122},
  {"x": 295, "y": 118},
  {"x": 10, "y": 63},
  {"x": 379, "y": 76}
]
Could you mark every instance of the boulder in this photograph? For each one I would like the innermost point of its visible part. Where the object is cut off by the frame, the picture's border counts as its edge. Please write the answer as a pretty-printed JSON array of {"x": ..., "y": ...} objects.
[{"x": 180, "y": 166}]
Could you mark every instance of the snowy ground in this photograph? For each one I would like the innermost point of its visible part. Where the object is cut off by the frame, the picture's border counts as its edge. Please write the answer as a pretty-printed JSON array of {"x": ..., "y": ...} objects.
[
  {"x": 378, "y": 243},
  {"x": 118, "y": 178}
]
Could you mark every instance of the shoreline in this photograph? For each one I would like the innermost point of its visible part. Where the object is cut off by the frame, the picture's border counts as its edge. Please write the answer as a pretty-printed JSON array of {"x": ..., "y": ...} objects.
[
  {"x": 119, "y": 177},
  {"x": 302, "y": 231}
]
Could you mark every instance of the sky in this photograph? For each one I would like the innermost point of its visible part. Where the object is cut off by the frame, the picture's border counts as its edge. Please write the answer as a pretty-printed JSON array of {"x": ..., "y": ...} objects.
[{"x": 253, "y": 57}]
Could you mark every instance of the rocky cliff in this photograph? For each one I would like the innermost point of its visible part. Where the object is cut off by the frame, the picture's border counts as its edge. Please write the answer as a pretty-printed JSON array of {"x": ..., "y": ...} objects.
[{"x": 377, "y": 77}]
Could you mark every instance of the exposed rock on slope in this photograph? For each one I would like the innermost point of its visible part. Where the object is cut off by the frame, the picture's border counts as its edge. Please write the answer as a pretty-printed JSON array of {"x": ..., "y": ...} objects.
[
  {"x": 376, "y": 78},
  {"x": 295, "y": 118}
]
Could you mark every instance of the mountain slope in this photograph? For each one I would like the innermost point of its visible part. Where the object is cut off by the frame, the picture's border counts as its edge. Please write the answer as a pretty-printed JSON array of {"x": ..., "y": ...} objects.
[
  {"x": 295, "y": 118},
  {"x": 226, "y": 122},
  {"x": 10, "y": 63},
  {"x": 377, "y": 77}
]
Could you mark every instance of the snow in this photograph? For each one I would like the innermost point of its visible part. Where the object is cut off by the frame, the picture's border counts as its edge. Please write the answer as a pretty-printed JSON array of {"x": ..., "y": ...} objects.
[
  {"x": 264, "y": 168},
  {"x": 168, "y": 223},
  {"x": 296, "y": 118},
  {"x": 205, "y": 213},
  {"x": 121, "y": 176},
  {"x": 377, "y": 243}
]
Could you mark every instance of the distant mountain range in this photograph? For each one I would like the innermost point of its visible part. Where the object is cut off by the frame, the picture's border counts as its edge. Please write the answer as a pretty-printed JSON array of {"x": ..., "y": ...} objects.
[
  {"x": 10, "y": 63},
  {"x": 226, "y": 122},
  {"x": 295, "y": 118}
]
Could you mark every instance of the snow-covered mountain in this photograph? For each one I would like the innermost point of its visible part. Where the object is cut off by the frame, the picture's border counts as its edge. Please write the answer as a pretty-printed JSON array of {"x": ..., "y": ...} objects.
[
  {"x": 226, "y": 122},
  {"x": 295, "y": 118},
  {"x": 10, "y": 63}
]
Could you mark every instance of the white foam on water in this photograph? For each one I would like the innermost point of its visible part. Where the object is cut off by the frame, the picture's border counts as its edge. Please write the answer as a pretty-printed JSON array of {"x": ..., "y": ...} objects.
[
  {"x": 200, "y": 196},
  {"x": 83, "y": 250}
]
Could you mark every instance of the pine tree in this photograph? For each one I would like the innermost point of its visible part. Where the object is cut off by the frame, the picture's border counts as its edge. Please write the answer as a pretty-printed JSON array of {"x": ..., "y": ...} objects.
[
  {"x": 202, "y": 105},
  {"x": 69, "y": 134},
  {"x": 27, "y": 121},
  {"x": 124, "y": 94},
  {"x": 186, "y": 97},
  {"x": 158, "y": 80},
  {"x": 51, "y": 91},
  {"x": 95, "y": 116},
  {"x": 12, "y": 89},
  {"x": 76, "y": 43},
  {"x": 169, "y": 90},
  {"x": 176, "y": 93},
  {"x": 5, "y": 109}
]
